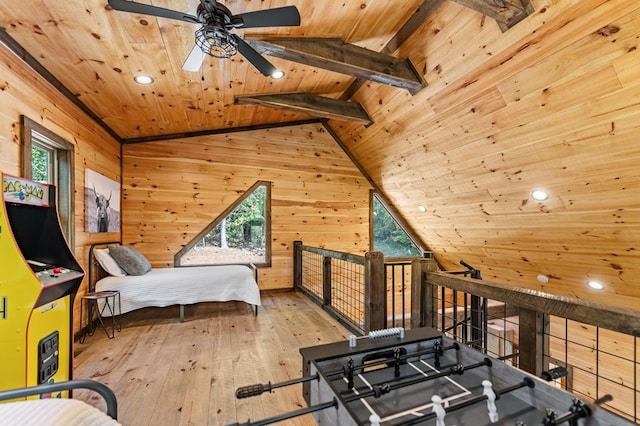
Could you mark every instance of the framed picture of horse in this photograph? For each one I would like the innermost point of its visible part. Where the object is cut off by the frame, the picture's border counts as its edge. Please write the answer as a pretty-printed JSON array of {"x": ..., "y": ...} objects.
[{"x": 102, "y": 203}]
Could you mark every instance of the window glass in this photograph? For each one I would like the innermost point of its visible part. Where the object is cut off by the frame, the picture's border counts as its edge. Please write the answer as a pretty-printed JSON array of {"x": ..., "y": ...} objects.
[
  {"x": 239, "y": 236},
  {"x": 388, "y": 236},
  {"x": 48, "y": 158},
  {"x": 41, "y": 164}
]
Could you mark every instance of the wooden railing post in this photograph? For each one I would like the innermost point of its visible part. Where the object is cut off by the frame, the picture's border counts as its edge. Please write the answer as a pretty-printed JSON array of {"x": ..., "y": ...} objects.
[
  {"x": 326, "y": 281},
  {"x": 532, "y": 334},
  {"x": 297, "y": 264},
  {"x": 422, "y": 300},
  {"x": 375, "y": 292}
]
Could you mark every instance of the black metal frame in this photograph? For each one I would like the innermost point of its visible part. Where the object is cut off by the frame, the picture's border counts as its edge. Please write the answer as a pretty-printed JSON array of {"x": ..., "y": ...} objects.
[{"x": 46, "y": 388}]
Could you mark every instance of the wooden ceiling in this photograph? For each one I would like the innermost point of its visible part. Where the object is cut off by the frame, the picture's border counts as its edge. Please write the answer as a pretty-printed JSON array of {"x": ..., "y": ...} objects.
[
  {"x": 95, "y": 52},
  {"x": 518, "y": 95}
]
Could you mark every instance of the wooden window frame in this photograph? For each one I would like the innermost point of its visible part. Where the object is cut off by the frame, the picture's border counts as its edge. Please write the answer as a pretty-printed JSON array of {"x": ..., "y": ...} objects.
[
  {"x": 267, "y": 243},
  {"x": 65, "y": 153}
]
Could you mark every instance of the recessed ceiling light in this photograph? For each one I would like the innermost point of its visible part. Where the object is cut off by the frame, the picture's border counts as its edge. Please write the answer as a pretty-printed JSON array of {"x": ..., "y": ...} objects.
[
  {"x": 143, "y": 79},
  {"x": 277, "y": 74},
  {"x": 595, "y": 285},
  {"x": 543, "y": 278},
  {"x": 422, "y": 208},
  {"x": 539, "y": 195}
]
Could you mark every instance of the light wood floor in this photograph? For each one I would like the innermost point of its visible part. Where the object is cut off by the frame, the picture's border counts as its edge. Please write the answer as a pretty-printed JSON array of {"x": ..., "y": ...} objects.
[{"x": 169, "y": 373}]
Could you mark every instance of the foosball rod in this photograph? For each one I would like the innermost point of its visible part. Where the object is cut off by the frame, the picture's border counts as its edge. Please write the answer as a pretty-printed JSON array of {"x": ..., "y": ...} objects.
[
  {"x": 446, "y": 371},
  {"x": 292, "y": 414},
  {"x": 526, "y": 382},
  {"x": 577, "y": 411},
  {"x": 384, "y": 388},
  {"x": 406, "y": 357},
  {"x": 259, "y": 389}
]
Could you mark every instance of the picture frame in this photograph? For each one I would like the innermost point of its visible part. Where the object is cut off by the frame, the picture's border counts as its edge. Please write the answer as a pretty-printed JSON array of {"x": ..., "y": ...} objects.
[{"x": 102, "y": 203}]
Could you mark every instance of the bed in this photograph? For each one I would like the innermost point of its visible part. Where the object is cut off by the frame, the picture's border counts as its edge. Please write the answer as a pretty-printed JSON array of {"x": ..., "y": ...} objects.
[
  {"x": 57, "y": 411},
  {"x": 161, "y": 287}
]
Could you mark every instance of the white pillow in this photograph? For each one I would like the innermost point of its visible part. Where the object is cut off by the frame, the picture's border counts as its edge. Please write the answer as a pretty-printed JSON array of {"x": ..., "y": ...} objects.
[{"x": 108, "y": 263}]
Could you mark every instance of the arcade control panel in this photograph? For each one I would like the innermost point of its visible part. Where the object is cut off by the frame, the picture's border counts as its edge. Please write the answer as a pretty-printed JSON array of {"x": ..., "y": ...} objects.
[{"x": 51, "y": 274}]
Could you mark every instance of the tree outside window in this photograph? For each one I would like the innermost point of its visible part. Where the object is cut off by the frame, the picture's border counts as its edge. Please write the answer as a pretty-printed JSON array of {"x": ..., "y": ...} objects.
[
  {"x": 240, "y": 236},
  {"x": 388, "y": 236}
]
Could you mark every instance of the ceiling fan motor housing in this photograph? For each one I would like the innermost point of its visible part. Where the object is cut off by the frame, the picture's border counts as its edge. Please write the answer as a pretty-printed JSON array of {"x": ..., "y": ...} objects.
[{"x": 213, "y": 37}]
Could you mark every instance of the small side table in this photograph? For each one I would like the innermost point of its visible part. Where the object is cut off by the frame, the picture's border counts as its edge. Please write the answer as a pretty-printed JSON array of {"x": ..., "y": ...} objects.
[{"x": 111, "y": 305}]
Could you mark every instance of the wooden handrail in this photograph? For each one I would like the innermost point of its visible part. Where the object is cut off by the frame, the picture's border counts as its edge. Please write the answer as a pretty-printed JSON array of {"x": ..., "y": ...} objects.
[
  {"x": 622, "y": 320},
  {"x": 348, "y": 257},
  {"x": 374, "y": 306}
]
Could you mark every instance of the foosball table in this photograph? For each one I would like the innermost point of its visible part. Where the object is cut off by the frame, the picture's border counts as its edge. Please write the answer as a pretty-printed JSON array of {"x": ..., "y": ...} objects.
[{"x": 420, "y": 377}]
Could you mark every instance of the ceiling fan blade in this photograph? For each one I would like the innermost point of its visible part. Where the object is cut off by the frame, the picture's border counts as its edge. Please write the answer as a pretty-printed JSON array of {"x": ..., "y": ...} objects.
[
  {"x": 287, "y": 16},
  {"x": 194, "y": 60},
  {"x": 146, "y": 9},
  {"x": 258, "y": 61}
]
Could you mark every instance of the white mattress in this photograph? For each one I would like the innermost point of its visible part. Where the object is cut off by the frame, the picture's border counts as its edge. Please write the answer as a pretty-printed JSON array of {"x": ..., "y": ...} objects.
[
  {"x": 184, "y": 286},
  {"x": 53, "y": 412}
]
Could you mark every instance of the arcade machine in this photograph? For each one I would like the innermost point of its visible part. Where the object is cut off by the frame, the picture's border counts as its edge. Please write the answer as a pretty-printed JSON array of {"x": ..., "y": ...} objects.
[{"x": 39, "y": 278}]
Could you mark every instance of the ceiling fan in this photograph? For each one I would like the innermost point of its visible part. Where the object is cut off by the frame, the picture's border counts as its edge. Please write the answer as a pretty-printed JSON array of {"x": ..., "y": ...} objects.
[{"x": 214, "y": 37}]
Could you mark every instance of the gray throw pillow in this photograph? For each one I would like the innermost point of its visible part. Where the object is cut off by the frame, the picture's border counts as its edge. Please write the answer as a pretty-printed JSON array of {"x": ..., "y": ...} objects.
[{"x": 131, "y": 260}]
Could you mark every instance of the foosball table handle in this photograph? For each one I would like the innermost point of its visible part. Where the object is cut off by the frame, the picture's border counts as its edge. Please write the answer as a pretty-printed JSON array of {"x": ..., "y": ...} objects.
[
  {"x": 377, "y": 334},
  {"x": 252, "y": 390},
  {"x": 259, "y": 389}
]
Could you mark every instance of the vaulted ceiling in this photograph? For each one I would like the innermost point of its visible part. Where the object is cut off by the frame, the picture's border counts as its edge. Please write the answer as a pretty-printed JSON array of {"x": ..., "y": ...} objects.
[
  {"x": 509, "y": 96},
  {"x": 95, "y": 51}
]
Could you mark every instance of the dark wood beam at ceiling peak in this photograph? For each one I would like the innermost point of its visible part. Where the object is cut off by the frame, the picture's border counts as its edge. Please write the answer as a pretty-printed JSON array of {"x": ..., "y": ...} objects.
[
  {"x": 424, "y": 12},
  {"x": 317, "y": 106},
  {"x": 221, "y": 131},
  {"x": 507, "y": 13},
  {"x": 335, "y": 55}
]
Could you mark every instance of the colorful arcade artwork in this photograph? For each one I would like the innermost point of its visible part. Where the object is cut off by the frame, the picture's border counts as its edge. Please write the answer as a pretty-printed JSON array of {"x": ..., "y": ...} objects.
[{"x": 24, "y": 191}]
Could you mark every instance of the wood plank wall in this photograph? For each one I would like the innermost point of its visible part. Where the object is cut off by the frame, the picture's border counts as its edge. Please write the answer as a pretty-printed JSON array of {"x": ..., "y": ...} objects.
[
  {"x": 23, "y": 92},
  {"x": 551, "y": 103},
  {"x": 173, "y": 189}
]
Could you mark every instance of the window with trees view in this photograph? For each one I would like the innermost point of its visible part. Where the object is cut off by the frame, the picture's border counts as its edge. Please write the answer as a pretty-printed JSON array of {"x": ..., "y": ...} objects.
[
  {"x": 241, "y": 234},
  {"x": 388, "y": 236},
  {"x": 48, "y": 158}
]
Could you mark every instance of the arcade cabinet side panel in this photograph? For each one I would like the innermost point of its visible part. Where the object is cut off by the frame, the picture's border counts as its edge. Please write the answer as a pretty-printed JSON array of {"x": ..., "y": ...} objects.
[
  {"x": 38, "y": 286},
  {"x": 19, "y": 288}
]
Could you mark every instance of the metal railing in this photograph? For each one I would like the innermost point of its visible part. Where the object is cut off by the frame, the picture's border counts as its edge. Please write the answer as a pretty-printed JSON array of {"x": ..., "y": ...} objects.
[
  {"x": 350, "y": 287},
  {"x": 397, "y": 276},
  {"x": 586, "y": 348}
]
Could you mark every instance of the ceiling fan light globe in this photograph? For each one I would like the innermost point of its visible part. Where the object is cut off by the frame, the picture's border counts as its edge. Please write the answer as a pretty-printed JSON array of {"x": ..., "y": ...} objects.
[
  {"x": 277, "y": 74},
  {"x": 216, "y": 43}
]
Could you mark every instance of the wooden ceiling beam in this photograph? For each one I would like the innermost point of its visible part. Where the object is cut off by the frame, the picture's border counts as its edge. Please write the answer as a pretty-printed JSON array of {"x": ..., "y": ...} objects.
[
  {"x": 317, "y": 106},
  {"x": 335, "y": 55},
  {"x": 507, "y": 13},
  {"x": 421, "y": 15}
]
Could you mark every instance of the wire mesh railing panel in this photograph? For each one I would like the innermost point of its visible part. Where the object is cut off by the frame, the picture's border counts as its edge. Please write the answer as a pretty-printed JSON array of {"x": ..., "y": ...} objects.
[
  {"x": 312, "y": 274},
  {"x": 398, "y": 279},
  {"x": 484, "y": 324},
  {"x": 599, "y": 362},
  {"x": 347, "y": 292}
]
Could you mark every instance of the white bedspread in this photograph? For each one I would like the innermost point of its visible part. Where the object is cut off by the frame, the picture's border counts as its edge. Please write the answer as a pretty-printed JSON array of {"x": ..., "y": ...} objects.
[
  {"x": 184, "y": 286},
  {"x": 53, "y": 412}
]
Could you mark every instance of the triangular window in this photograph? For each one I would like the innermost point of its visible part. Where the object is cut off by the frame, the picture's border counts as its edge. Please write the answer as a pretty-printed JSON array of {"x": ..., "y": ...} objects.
[
  {"x": 241, "y": 234},
  {"x": 388, "y": 236}
]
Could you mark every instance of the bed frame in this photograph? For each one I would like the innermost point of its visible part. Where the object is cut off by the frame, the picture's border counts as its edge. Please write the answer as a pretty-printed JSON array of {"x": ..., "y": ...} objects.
[
  {"x": 96, "y": 272},
  {"x": 8, "y": 409}
]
